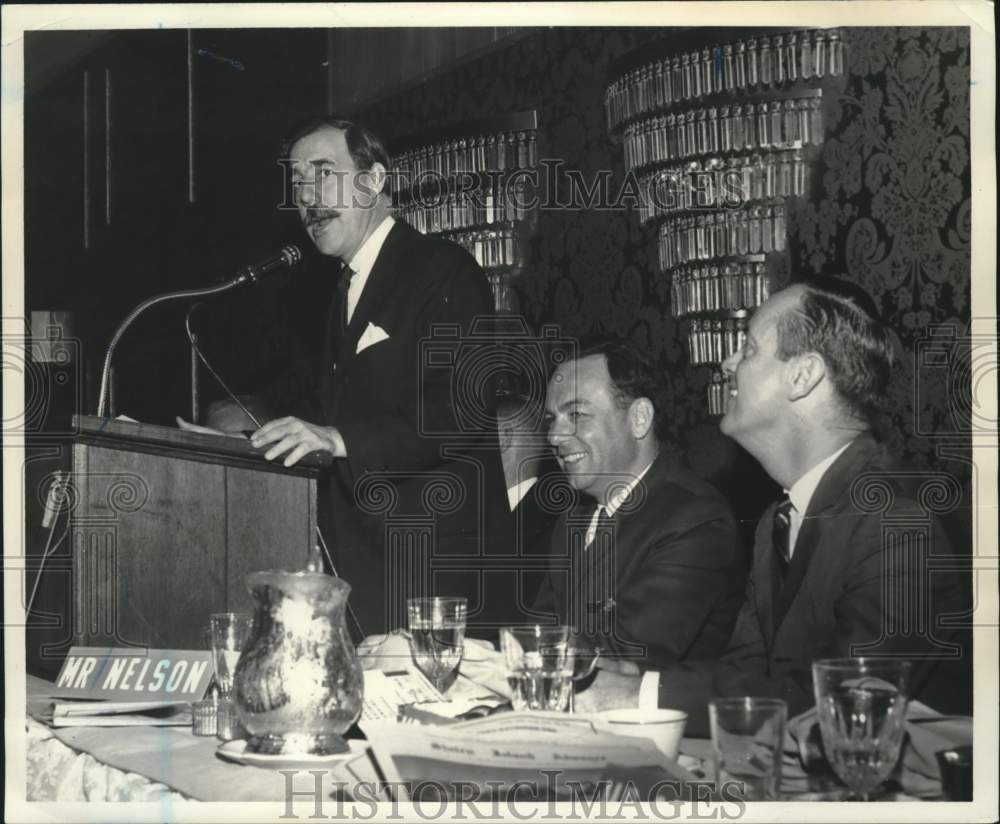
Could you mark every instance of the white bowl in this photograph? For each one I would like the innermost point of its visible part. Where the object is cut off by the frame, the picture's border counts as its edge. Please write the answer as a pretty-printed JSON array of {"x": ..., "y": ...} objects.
[{"x": 664, "y": 728}]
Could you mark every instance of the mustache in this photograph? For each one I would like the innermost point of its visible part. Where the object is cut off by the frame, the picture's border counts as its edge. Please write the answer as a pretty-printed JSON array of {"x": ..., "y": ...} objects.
[{"x": 317, "y": 215}]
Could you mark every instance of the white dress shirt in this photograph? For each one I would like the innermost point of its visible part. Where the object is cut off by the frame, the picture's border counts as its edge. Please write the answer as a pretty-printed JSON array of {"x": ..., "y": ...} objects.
[
  {"x": 800, "y": 494},
  {"x": 611, "y": 507},
  {"x": 363, "y": 261}
]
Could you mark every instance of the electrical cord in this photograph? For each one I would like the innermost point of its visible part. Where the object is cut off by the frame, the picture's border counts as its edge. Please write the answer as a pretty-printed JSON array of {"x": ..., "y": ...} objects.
[
  {"x": 214, "y": 374},
  {"x": 56, "y": 493},
  {"x": 258, "y": 424}
]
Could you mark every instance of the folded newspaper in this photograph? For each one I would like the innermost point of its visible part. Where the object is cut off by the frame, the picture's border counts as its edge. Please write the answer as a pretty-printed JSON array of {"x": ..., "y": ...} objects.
[{"x": 513, "y": 756}]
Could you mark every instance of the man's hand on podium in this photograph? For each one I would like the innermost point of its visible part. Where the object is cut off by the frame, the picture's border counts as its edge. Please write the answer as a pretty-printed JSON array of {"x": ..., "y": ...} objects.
[{"x": 295, "y": 438}]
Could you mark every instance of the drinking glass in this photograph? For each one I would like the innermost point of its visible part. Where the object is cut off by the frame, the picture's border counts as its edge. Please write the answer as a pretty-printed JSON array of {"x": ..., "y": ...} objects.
[
  {"x": 748, "y": 736},
  {"x": 585, "y": 656},
  {"x": 437, "y": 632},
  {"x": 861, "y": 704},
  {"x": 539, "y": 663},
  {"x": 229, "y": 632}
]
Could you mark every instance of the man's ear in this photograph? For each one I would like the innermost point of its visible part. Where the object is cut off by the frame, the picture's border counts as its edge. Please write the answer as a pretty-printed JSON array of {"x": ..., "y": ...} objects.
[
  {"x": 804, "y": 373},
  {"x": 640, "y": 417},
  {"x": 378, "y": 177},
  {"x": 506, "y": 437}
]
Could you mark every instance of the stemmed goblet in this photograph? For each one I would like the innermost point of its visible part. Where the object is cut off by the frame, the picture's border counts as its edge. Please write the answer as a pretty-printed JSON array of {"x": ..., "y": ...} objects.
[
  {"x": 229, "y": 632},
  {"x": 437, "y": 634},
  {"x": 862, "y": 714}
]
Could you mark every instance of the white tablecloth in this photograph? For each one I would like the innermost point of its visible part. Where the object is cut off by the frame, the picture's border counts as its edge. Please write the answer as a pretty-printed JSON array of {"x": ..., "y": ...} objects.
[{"x": 56, "y": 772}]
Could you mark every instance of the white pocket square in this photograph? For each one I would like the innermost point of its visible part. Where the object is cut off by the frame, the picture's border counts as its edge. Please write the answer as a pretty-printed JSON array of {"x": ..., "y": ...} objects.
[{"x": 373, "y": 334}]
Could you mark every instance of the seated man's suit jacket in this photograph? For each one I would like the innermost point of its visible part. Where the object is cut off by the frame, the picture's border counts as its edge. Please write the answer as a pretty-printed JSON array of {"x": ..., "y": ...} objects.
[
  {"x": 419, "y": 506},
  {"x": 535, "y": 518},
  {"x": 663, "y": 579},
  {"x": 851, "y": 589}
]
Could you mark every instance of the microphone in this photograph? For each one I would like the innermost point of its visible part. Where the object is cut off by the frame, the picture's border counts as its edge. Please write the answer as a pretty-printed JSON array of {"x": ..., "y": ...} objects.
[
  {"x": 284, "y": 259},
  {"x": 288, "y": 256}
]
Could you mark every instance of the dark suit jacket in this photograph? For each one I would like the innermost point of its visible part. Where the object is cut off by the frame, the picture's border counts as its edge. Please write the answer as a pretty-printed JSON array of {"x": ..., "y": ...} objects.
[
  {"x": 663, "y": 581},
  {"x": 535, "y": 518},
  {"x": 852, "y": 588},
  {"x": 419, "y": 506}
]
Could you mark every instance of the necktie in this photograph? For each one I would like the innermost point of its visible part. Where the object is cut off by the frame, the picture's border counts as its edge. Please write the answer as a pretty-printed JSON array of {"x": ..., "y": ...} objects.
[
  {"x": 343, "y": 284},
  {"x": 781, "y": 532}
]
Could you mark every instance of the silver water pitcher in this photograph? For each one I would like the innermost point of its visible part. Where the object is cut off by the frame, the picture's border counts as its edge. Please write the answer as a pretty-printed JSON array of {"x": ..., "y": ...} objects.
[{"x": 298, "y": 685}]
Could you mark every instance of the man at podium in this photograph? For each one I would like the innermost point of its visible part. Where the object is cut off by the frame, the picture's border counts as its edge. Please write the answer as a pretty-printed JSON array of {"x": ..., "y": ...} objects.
[{"x": 417, "y": 498}]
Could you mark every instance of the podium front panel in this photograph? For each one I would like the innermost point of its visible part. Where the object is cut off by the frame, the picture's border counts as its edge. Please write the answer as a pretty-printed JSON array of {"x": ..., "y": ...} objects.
[
  {"x": 161, "y": 541},
  {"x": 271, "y": 522}
]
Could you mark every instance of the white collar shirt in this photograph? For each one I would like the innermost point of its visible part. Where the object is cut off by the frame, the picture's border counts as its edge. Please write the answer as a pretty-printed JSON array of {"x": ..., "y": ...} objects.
[
  {"x": 613, "y": 503},
  {"x": 363, "y": 261},
  {"x": 801, "y": 493}
]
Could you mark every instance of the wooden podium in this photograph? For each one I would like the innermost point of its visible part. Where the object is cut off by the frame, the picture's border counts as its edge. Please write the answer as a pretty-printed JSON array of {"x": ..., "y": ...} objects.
[{"x": 166, "y": 525}]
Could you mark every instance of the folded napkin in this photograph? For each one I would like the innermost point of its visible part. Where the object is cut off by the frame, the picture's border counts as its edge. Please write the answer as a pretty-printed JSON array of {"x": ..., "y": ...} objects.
[
  {"x": 391, "y": 653},
  {"x": 485, "y": 665},
  {"x": 386, "y": 652},
  {"x": 927, "y": 733}
]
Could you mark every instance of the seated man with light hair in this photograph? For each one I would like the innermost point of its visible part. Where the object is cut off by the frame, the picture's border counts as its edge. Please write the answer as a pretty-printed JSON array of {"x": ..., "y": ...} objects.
[{"x": 829, "y": 577}]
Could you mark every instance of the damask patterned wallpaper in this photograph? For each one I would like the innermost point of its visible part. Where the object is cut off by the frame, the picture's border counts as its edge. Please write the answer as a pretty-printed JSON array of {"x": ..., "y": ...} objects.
[
  {"x": 889, "y": 209},
  {"x": 892, "y": 211}
]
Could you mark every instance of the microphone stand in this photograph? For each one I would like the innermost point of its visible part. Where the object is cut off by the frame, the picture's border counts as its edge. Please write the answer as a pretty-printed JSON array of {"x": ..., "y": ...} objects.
[
  {"x": 288, "y": 256},
  {"x": 186, "y": 294}
]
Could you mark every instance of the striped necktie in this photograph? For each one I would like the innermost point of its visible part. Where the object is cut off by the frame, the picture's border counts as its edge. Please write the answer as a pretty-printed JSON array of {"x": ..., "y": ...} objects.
[{"x": 781, "y": 532}]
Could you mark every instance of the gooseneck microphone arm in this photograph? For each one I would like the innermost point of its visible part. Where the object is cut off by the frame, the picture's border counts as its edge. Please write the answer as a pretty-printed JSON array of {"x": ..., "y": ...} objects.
[
  {"x": 288, "y": 256},
  {"x": 142, "y": 307}
]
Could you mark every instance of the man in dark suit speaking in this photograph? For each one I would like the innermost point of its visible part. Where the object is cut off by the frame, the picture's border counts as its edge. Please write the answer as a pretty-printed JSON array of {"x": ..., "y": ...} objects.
[
  {"x": 649, "y": 563},
  {"x": 854, "y": 559},
  {"x": 418, "y": 491}
]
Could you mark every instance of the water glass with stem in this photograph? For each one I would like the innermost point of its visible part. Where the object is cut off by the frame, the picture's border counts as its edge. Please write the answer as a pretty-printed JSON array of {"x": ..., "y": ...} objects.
[
  {"x": 229, "y": 632},
  {"x": 861, "y": 704},
  {"x": 437, "y": 635}
]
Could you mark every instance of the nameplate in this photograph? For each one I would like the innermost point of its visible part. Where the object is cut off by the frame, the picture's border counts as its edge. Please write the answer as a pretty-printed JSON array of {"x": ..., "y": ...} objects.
[{"x": 129, "y": 674}]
